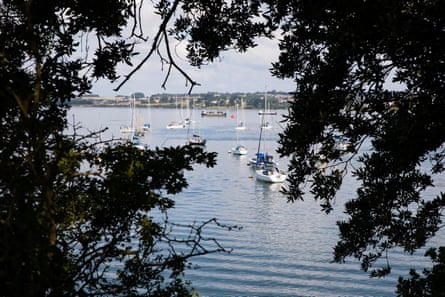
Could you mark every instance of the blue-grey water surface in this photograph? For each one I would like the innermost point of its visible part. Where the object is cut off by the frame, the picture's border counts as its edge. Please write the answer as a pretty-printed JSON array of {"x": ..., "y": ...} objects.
[{"x": 283, "y": 249}]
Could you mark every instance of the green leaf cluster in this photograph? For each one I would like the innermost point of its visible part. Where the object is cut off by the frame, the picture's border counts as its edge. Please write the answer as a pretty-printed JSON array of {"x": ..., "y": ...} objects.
[
  {"x": 81, "y": 217},
  {"x": 430, "y": 285}
]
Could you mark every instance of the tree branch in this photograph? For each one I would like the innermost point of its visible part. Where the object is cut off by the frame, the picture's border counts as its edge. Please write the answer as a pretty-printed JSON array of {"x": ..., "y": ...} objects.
[{"x": 162, "y": 33}]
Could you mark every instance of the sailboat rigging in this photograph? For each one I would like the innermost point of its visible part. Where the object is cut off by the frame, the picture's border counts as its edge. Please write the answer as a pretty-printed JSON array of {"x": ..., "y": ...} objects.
[
  {"x": 241, "y": 124},
  {"x": 239, "y": 149},
  {"x": 266, "y": 169},
  {"x": 266, "y": 112},
  {"x": 130, "y": 128},
  {"x": 182, "y": 123},
  {"x": 195, "y": 138}
]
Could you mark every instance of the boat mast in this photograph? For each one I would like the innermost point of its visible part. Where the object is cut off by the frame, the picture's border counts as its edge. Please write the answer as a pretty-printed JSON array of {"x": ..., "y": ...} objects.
[
  {"x": 133, "y": 112},
  {"x": 262, "y": 123}
]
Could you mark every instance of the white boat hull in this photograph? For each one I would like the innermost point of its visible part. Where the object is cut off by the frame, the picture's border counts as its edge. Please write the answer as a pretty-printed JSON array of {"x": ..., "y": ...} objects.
[
  {"x": 273, "y": 175},
  {"x": 239, "y": 150},
  {"x": 127, "y": 130},
  {"x": 176, "y": 125},
  {"x": 196, "y": 140}
]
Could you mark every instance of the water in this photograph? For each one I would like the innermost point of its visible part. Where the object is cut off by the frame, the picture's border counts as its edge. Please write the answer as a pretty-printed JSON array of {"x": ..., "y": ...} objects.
[{"x": 283, "y": 249}]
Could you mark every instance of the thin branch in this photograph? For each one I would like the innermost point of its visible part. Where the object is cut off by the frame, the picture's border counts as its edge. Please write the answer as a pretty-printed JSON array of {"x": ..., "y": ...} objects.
[
  {"x": 138, "y": 23},
  {"x": 173, "y": 64},
  {"x": 154, "y": 46}
]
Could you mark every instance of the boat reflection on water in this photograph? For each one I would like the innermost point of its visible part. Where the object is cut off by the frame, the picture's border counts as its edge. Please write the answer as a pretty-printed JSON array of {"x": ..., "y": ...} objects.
[{"x": 267, "y": 189}]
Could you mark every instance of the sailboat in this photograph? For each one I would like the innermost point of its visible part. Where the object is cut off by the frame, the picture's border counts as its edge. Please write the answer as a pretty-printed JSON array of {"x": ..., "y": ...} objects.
[
  {"x": 270, "y": 175},
  {"x": 146, "y": 127},
  {"x": 179, "y": 124},
  {"x": 266, "y": 169},
  {"x": 261, "y": 160},
  {"x": 239, "y": 149},
  {"x": 131, "y": 126},
  {"x": 195, "y": 138},
  {"x": 266, "y": 112},
  {"x": 241, "y": 124},
  {"x": 138, "y": 128}
]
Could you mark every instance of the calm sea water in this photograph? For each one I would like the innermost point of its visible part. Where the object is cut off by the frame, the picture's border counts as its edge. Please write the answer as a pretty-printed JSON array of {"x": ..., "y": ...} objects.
[{"x": 283, "y": 249}]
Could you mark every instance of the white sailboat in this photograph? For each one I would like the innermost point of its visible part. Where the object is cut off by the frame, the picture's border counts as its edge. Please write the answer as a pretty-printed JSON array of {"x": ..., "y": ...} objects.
[
  {"x": 239, "y": 149},
  {"x": 262, "y": 159},
  {"x": 130, "y": 128},
  {"x": 240, "y": 119},
  {"x": 146, "y": 126},
  {"x": 179, "y": 124},
  {"x": 134, "y": 127},
  {"x": 270, "y": 175},
  {"x": 195, "y": 138},
  {"x": 265, "y": 124},
  {"x": 266, "y": 169}
]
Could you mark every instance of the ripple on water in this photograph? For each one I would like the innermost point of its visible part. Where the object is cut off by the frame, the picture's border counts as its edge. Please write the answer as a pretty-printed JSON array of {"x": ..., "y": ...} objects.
[{"x": 283, "y": 249}]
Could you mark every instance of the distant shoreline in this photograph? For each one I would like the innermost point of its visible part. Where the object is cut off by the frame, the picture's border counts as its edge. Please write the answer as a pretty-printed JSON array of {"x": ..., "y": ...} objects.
[
  {"x": 213, "y": 101},
  {"x": 160, "y": 105}
]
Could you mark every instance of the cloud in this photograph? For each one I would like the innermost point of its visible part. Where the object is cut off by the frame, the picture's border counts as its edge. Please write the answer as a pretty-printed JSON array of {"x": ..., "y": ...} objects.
[{"x": 234, "y": 72}]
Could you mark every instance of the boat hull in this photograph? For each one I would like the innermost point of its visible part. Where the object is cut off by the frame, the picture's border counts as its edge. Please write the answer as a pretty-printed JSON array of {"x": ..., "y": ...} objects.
[
  {"x": 270, "y": 175},
  {"x": 239, "y": 150},
  {"x": 196, "y": 140}
]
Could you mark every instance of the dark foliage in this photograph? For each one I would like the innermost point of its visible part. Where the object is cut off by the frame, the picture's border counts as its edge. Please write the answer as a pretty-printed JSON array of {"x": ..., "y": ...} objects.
[{"x": 80, "y": 217}]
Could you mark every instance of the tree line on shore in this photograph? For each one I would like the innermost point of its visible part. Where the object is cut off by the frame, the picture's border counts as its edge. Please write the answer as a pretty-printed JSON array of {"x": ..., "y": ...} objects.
[{"x": 256, "y": 100}]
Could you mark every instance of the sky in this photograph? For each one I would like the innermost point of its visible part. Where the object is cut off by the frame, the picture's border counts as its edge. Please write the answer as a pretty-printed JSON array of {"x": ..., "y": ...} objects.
[{"x": 234, "y": 72}]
